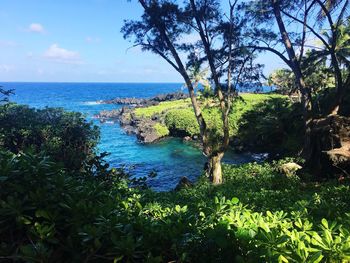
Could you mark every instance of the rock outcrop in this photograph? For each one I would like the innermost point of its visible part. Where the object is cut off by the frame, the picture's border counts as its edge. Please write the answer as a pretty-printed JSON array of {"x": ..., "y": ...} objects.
[
  {"x": 330, "y": 145},
  {"x": 143, "y": 128},
  {"x": 146, "y": 102},
  {"x": 183, "y": 183}
]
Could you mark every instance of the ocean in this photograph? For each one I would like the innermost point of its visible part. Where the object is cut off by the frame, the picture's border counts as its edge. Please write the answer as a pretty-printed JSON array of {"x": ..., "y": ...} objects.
[{"x": 170, "y": 158}]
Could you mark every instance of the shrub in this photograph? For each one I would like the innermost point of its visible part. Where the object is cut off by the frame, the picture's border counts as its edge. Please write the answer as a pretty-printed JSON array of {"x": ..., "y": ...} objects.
[
  {"x": 273, "y": 125},
  {"x": 182, "y": 122},
  {"x": 65, "y": 136},
  {"x": 48, "y": 214},
  {"x": 161, "y": 129},
  {"x": 274, "y": 218}
]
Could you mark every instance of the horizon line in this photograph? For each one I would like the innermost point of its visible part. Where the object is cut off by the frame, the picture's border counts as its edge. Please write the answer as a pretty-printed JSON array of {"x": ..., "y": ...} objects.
[{"x": 112, "y": 82}]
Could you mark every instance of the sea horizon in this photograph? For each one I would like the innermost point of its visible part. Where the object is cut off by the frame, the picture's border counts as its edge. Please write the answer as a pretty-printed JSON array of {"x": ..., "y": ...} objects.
[{"x": 97, "y": 82}]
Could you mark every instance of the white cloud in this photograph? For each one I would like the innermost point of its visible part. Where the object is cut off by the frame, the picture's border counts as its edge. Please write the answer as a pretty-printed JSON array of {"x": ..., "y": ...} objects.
[
  {"x": 36, "y": 28},
  {"x": 92, "y": 39},
  {"x": 58, "y": 54},
  {"x": 6, "y": 68},
  {"x": 7, "y": 43}
]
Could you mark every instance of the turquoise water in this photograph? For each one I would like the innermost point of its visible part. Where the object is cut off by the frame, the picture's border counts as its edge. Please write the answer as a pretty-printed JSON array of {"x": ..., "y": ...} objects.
[{"x": 171, "y": 158}]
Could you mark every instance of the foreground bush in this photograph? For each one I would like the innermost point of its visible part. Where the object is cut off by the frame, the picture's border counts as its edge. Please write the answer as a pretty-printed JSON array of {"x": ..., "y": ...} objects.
[
  {"x": 65, "y": 136},
  {"x": 50, "y": 215}
]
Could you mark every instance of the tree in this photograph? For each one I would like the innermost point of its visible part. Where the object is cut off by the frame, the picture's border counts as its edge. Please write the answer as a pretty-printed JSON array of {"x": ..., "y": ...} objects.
[
  {"x": 297, "y": 22},
  {"x": 161, "y": 29},
  {"x": 4, "y": 94},
  {"x": 333, "y": 36},
  {"x": 318, "y": 77},
  {"x": 283, "y": 80},
  {"x": 280, "y": 42}
]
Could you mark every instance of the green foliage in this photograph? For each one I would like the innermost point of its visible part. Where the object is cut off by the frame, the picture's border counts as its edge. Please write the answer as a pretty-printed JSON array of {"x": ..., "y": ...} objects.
[
  {"x": 317, "y": 77},
  {"x": 273, "y": 125},
  {"x": 246, "y": 103},
  {"x": 49, "y": 214},
  {"x": 65, "y": 136},
  {"x": 261, "y": 120},
  {"x": 277, "y": 219},
  {"x": 4, "y": 94},
  {"x": 283, "y": 80},
  {"x": 161, "y": 129},
  {"x": 182, "y": 122},
  {"x": 162, "y": 107}
]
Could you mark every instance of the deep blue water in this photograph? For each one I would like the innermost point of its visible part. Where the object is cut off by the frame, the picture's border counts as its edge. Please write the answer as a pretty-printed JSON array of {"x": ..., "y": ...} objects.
[{"x": 171, "y": 158}]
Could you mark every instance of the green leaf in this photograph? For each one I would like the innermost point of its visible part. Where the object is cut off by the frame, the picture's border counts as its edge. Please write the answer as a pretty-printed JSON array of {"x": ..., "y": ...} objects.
[
  {"x": 234, "y": 201},
  {"x": 27, "y": 251},
  {"x": 42, "y": 213},
  {"x": 282, "y": 239},
  {"x": 118, "y": 259},
  {"x": 281, "y": 258},
  {"x": 216, "y": 200},
  {"x": 316, "y": 258},
  {"x": 252, "y": 233},
  {"x": 324, "y": 223}
]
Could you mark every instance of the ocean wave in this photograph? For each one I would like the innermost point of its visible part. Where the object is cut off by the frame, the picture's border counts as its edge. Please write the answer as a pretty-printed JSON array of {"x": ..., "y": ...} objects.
[{"x": 92, "y": 103}]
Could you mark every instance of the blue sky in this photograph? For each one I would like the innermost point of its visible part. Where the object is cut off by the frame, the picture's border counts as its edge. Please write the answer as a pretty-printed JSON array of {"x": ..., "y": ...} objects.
[{"x": 77, "y": 41}]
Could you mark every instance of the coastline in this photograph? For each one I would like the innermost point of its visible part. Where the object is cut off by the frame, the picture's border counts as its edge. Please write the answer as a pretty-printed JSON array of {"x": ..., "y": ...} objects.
[{"x": 152, "y": 119}]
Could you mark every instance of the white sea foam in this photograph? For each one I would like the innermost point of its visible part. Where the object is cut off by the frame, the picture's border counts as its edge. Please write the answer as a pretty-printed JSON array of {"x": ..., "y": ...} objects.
[{"x": 92, "y": 103}]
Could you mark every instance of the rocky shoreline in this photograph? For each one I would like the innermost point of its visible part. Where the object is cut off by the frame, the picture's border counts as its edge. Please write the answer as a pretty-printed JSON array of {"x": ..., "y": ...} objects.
[
  {"x": 146, "y": 102},
  {"x": 147, "y": 130},
  {"x": 147, "y": 119}
]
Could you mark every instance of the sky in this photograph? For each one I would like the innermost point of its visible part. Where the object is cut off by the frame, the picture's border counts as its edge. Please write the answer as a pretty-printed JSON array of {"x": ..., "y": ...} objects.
[{"x": 78, "y": 41}]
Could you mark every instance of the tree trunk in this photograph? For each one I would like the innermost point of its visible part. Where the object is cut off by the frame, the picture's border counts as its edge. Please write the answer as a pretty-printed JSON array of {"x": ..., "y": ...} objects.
[
  {"x": 182, "y": 70},
  {"x": 339, "y": 83},
  {"x": 295, "y": 66},
  {"x": 211, "y": 61},
  {"x": 214, "y": 169}
]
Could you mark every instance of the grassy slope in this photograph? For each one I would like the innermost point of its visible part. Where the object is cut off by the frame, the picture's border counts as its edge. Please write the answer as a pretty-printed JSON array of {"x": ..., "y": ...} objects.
[
  {"x": 179, "y": 114},
  {"x": 162, "y": 107}
]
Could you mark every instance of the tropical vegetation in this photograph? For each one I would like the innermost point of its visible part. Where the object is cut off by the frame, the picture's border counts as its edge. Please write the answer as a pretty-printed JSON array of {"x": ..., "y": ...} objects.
[{"x": 60, "y": 201}]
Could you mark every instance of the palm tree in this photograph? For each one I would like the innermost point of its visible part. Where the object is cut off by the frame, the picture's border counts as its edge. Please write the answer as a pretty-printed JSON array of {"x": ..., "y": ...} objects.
[
  {"x": 336, "y": 49},
  {"x": 199, "y": 76}
]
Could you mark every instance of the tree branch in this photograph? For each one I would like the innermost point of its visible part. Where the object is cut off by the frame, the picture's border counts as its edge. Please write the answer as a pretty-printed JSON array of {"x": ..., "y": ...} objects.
[{"x": 272, "y": 50}]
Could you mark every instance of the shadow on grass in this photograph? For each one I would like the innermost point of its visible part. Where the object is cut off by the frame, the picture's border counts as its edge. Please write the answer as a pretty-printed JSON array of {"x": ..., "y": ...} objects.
[{"x": 272, "y": 126}]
